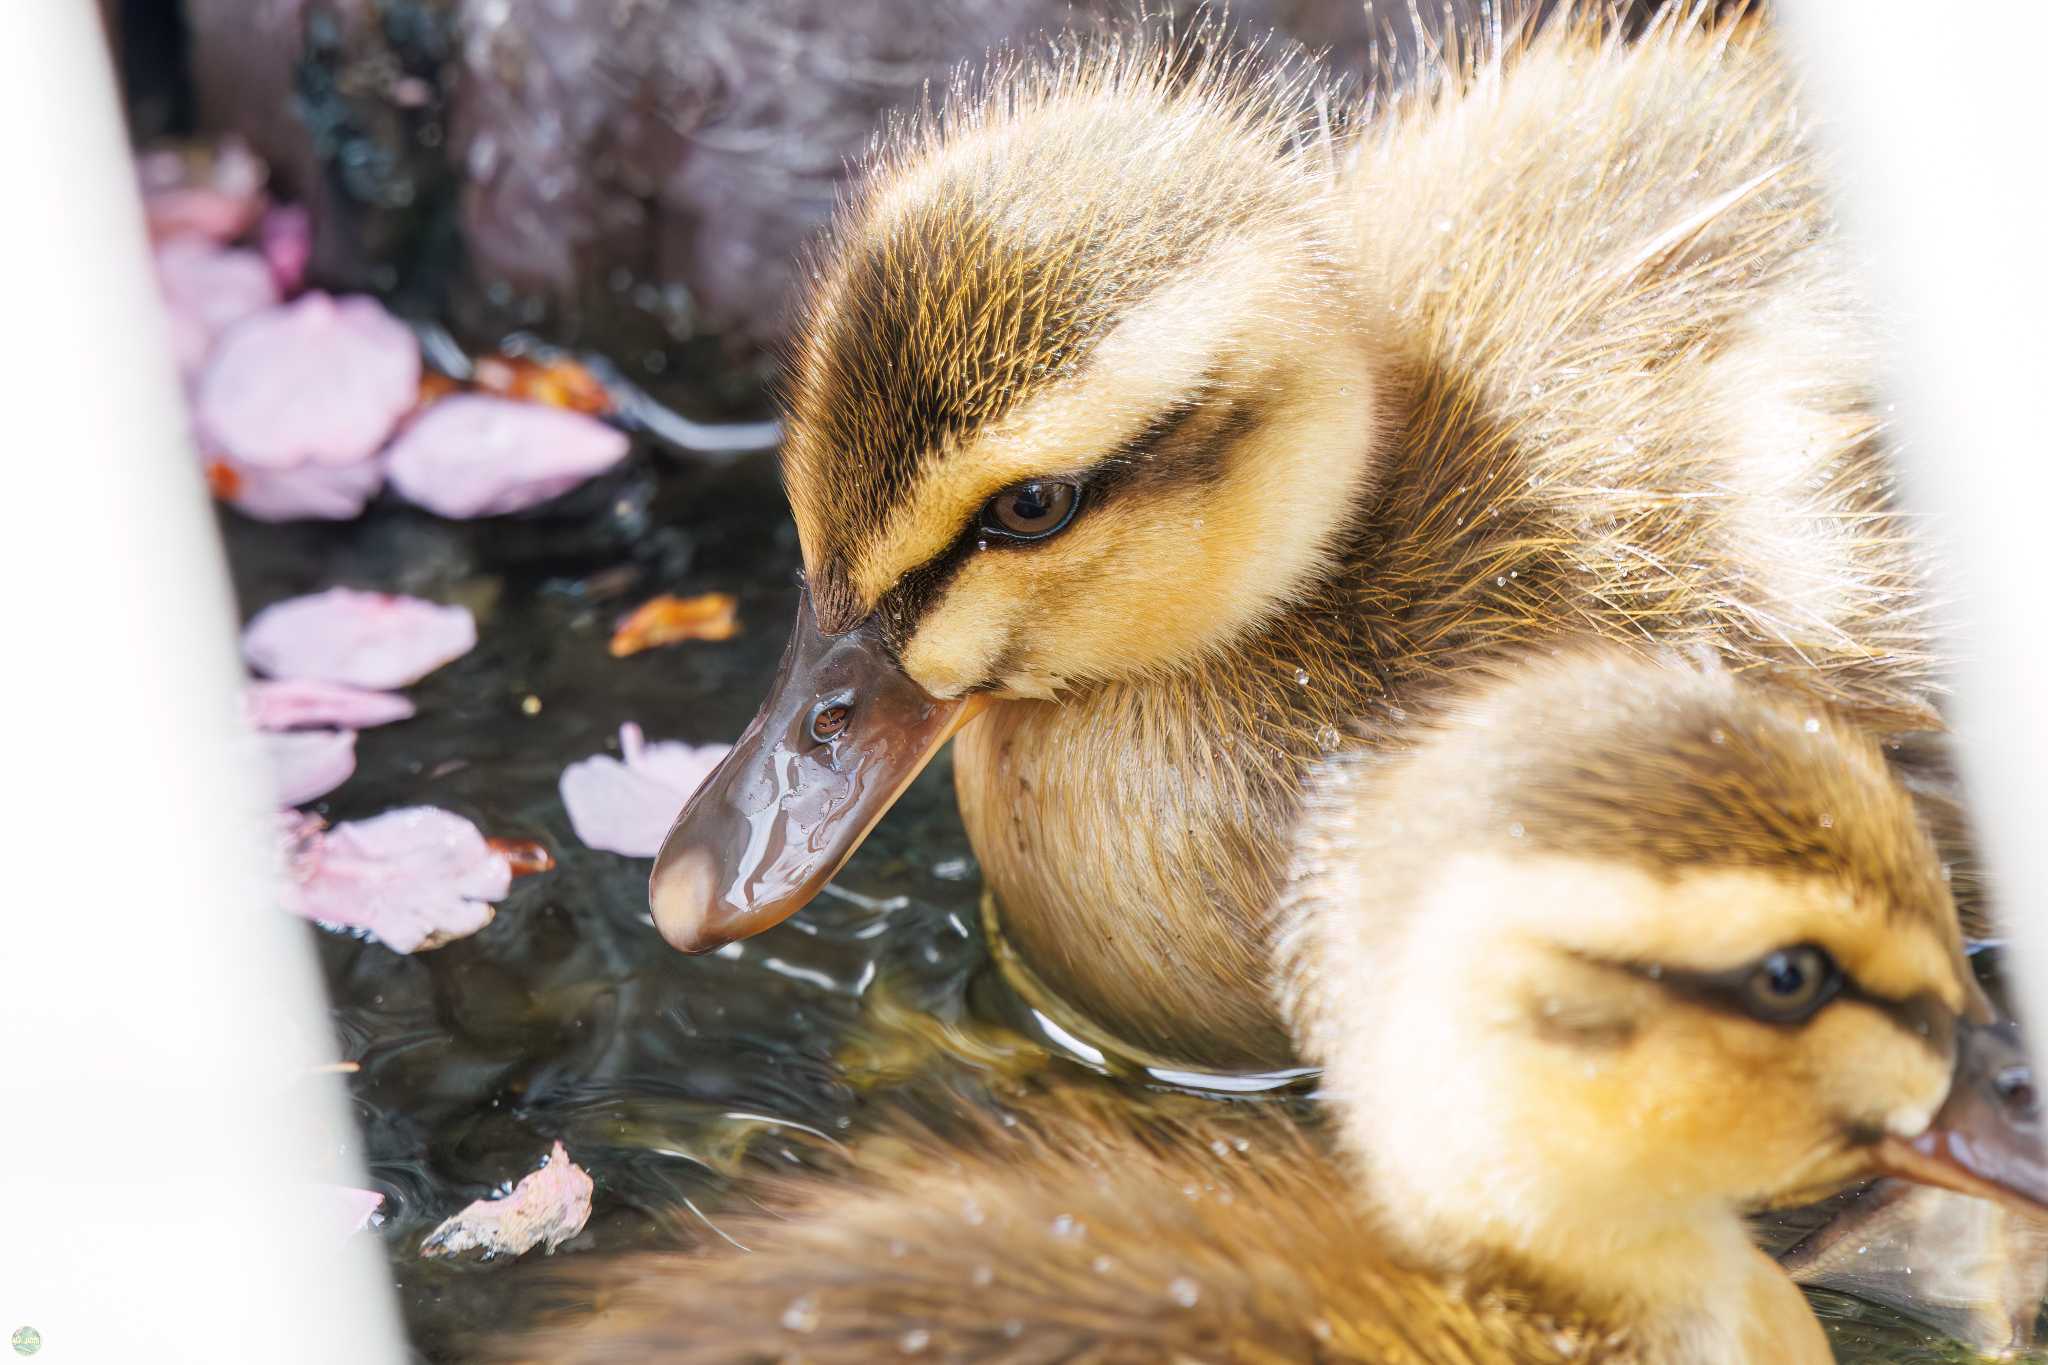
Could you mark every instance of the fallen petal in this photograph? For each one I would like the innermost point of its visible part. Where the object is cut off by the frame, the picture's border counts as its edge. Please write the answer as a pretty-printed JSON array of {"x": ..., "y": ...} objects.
[
  {"x": 307, "y": 492},
  {"x": 627, "y": 806},
  {"x": 473, "y": 455},
  {"x": 297, "y": 703},
  {"x": 353, "y": 1207},
  {"x": 215, "y": 192},
  {"x": 412, "y": 879},
  {"x": 546, "y": 1208},
  {"x": 308, "y": 764},
  {"x": 320, "y": 380},
  {"x": 207, "y": 289},
  {"x": 286, "y": 238},
  {"x": 365, "y": 639},
  {"x": 666, "y": 620}
]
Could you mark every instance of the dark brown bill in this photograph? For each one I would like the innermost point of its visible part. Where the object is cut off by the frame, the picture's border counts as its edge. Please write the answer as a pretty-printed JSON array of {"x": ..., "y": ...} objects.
[
  {"x": 1986, "y": 1141},
  {"x": 842, "y": 733}
]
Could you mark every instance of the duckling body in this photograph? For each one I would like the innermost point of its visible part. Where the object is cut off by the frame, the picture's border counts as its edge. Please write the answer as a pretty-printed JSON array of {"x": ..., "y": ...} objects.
[
  {"x": 1632, "y": 403},
  {"x": 1190, "y": 423},
  {"x": 1529, "y": 1154}
]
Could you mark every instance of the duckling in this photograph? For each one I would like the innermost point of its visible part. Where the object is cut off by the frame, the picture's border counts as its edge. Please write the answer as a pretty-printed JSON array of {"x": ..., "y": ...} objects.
[
  {"x": 1536, "y": 955},
  {"x": 1175, "y": 421}
]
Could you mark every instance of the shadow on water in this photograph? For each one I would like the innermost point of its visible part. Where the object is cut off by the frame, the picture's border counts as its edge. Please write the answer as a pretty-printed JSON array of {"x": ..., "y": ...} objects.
[{"x": 568, "y": 1017}]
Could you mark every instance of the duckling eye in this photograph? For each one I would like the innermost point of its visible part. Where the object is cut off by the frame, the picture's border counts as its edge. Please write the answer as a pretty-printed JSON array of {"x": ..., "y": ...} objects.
[
  {"x": 1031, "y": 510},
  {"x": 1791, "y": 984}
]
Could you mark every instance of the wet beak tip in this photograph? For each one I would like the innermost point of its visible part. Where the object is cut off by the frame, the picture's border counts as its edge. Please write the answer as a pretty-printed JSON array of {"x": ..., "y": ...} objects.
[{"x": 680, "y": 901}]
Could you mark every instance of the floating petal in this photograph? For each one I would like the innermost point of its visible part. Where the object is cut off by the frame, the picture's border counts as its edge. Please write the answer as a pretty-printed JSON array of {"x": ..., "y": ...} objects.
[
  {"x": 308, "y": 764},
  {"x": 321, "y": 380},
  {"x": 365, "y": 639},
  {"x": 627, "y": 806},
  {"x": 413, "y": 878},
  {"x": 473, "y": 455},
  {"x": 547, "y": 1208},
  {"x": 298, "y": 703}
]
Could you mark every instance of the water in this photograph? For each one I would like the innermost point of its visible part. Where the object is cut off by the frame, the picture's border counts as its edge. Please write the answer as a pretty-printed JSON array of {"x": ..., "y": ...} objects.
[{"x": 569, "y": 1017}]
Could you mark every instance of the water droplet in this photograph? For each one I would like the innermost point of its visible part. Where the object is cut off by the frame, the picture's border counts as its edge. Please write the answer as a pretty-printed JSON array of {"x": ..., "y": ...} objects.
[
  {"x": 1718, "y": 735},
  {"x": 915, "y": 1340},
  {"x": 1102, "y": 1265},
  {"x": 1329, "y": 740},
  {"x": 1184, "y": 1292},
  {"x": 971, "y": 1211},
  {"x": 1812, "y": 726},
  {"x": 1500, "y": 580},
  {"x": 1444, "y": 224},
  {"x": 801, "y": 1315},
  {"x": 1301, "y": 677},
  {"x": 1827, "y": 821},
  {"x": 1067, "y": 1226},
  {"x": 1219, "y": 1147},
  {"x": 1515, "y": 830},
  {"x": 981, "y": 544}
]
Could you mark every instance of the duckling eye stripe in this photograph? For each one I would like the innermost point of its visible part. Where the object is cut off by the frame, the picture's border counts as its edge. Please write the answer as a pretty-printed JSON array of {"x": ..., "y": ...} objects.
[{"x": 1921, "y": 1016}]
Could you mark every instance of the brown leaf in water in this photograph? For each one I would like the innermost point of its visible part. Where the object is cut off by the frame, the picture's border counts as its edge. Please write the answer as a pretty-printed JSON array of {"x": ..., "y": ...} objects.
[
  {"x": 524, "y": 856},
  {"x": 559, "y": 383},
  {"x": 434, "y": 386},
  {"x": 667, "y": 619}
]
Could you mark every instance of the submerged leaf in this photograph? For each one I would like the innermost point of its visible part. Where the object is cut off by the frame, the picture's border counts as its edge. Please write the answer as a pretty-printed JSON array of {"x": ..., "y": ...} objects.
[
  {"x": 626, "y": 806},
  {"x": 559, "y": 383},
  {"x": 413, "y": 879},
  {"x": 473, "y": 455},
  {"x": 667, "y": 620},
  {"x": 364, "y": 639},
  {"x": 547, "y": 1208}
]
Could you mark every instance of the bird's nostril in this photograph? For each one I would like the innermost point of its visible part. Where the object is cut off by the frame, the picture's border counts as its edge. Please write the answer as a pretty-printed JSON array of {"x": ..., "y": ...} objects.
[{"x": 829, "y": 720}]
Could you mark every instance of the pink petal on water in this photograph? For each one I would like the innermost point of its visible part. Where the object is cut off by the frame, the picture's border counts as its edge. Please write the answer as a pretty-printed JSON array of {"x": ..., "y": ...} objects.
[
  {"x": 295, "y": 704},
  {"x": 364, "y": 639},
  {"x": 322, "y": 380},
  {"x": 353, "y": 1207},
  {"x": 546, "y": 1208},
  {"x": 286, "y": 237},
  {"x": 308, "y": 764},
  {"x": 475, "y": 455},
  {"x": 411, "y": 878},
  {"x": 306, "y": 492},
  {"x": 626, "y": 807},
  {"x": 217, "y": 195},
  {"x": 208, "y": 289}
]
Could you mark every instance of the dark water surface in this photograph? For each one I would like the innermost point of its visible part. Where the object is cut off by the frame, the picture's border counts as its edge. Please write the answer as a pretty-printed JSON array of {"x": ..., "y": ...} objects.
[{"x": 568, "y": 1017}]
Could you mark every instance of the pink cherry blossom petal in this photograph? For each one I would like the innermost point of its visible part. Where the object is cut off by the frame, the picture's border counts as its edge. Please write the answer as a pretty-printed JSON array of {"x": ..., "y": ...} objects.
[
  {"x": 307, "y": 492},
  {"x": 365, "y": 639},
  {"x": 547, "y": 1208},
  {"x": 216, "y": 196},
  {"x": 297, "y": 703},
  {"x": 308, "y": 764},
  {"x": 412, "y": 878},
  {"x": 286, "y": 238},
  {"x": 627, "y": 806},
  {"x": 207, "y": 289},
  {"x": 353, "y": 1207},
  {"x": 476, "y": 455},
  {"x": 320, "y": 380}
]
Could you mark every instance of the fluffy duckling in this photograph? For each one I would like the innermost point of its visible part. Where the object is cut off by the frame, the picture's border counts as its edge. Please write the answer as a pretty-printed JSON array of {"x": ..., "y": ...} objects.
[
  {"x": 1625, "y": 951},
  {"x": 1179, "y": 419}
]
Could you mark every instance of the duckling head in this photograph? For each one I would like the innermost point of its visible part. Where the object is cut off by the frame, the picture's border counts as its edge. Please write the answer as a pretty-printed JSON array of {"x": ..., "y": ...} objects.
[
  {"x": 1623, "y": 951},
  {"x": 1081, "y": 392}
]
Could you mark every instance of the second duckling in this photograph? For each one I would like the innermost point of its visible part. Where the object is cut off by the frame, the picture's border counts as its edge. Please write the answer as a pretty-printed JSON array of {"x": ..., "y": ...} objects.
[{"x": 1619, "y": 952}]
